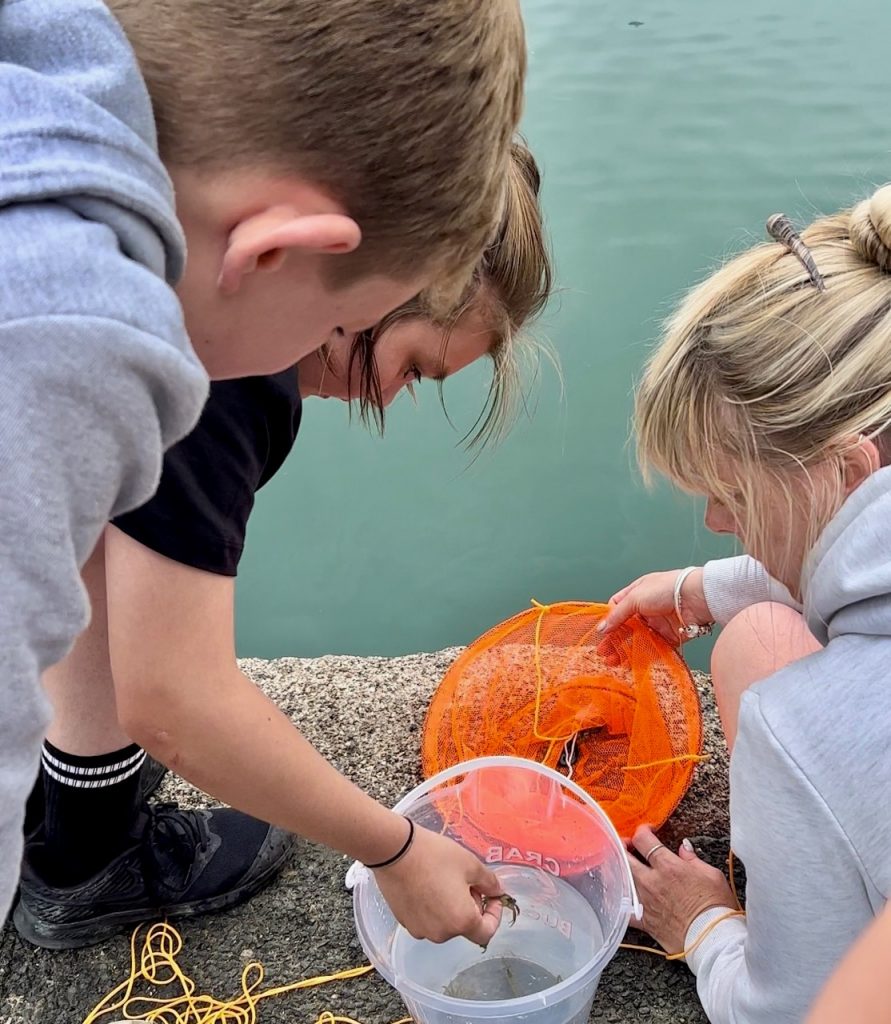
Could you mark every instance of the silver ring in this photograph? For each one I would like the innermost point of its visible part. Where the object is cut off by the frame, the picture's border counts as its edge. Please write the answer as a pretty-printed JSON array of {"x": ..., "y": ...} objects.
[
  {"x": 694, "y": 631},
  {"x": 658, "y": 846}
]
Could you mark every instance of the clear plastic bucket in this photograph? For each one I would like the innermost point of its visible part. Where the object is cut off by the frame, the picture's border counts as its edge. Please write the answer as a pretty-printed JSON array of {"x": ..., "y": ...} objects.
[{"x": 557, "y": 853}]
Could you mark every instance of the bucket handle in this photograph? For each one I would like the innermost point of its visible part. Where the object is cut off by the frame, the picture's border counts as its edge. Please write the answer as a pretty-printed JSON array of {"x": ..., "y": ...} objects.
[{"x": 358, "y": 872}]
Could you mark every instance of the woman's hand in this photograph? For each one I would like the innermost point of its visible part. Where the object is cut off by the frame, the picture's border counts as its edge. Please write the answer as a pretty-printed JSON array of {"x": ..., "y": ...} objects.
[
  {"x": 435, "y": 891},
  {"x": 674, "y": 889},
  {"x": 652, "y": 598}
]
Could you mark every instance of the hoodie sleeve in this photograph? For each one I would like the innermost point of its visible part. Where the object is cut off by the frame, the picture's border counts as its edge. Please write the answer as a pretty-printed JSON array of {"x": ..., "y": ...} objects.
[
  {"x": 88, "y": 402},
  {"x": 769, "y": 968},
  {"x": 732, "y": 584}
]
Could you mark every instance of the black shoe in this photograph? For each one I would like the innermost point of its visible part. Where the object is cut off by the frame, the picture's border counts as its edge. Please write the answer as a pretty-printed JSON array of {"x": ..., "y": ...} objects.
[
  {"x": 151, "y": 775},
  {"x": 180, "y": 864}
]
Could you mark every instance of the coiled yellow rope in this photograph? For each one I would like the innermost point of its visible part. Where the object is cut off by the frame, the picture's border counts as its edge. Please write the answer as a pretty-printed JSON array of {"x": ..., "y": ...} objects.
[{"x": 157, "y": 964}]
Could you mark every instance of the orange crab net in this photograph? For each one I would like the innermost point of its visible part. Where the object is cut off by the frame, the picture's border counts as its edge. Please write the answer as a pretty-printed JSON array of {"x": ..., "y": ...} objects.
[{"x": 619, "y": 715}]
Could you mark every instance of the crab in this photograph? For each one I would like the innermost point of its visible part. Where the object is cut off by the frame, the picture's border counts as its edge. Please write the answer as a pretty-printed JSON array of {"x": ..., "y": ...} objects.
[{"x": 508, "y": 902}]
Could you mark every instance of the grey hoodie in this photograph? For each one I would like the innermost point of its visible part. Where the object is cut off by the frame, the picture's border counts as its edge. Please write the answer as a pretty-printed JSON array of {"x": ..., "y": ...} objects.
[
  {"x": 97, "y": 376},
  {"x": 810, "y": 778}
]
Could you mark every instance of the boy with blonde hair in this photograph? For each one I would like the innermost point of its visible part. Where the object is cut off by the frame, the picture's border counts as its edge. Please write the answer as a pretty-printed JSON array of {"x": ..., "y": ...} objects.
[{"x": 328, "y": 161}]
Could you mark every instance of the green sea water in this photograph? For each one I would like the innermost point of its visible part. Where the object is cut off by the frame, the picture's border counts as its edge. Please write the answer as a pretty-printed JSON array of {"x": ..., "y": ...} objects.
[{"x": 664, "y": 145}]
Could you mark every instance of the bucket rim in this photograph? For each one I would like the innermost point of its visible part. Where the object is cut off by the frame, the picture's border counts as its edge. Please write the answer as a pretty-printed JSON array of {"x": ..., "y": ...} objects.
[
  {"x": 586, "y": 975},
  {"x": 527, "y": 764}
]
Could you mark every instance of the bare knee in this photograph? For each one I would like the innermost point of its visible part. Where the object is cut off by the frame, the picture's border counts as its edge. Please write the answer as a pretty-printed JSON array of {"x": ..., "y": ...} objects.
[{"x": 759, "y": 641}]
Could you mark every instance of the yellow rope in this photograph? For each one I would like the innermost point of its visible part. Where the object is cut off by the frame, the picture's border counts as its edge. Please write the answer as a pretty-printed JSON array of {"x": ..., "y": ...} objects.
[
  {"x": 543, "y": 610},
  {"x": 685, "y": 952},
  {"x": 668, "y": 760},
  {"x": 157, "y": 965}
]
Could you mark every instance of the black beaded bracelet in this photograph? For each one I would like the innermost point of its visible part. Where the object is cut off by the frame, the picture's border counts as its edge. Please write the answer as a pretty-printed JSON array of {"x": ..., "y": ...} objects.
[{"x": 403, "y": 851}]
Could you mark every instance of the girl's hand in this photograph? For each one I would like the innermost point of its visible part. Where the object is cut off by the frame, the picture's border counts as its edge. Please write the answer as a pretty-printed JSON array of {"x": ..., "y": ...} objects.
[
  {"x": 435, "y": 891},
  {"x": 652, "y": 598},
  {"x": 674, "y": 889}
]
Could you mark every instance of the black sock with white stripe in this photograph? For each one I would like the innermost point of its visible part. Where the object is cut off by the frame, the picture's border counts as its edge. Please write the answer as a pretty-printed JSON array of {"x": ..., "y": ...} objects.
[{"x": 90, "y": 806}]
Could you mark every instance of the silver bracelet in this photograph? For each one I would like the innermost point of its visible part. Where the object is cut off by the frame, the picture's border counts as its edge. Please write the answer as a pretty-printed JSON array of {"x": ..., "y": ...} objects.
[{"x": 694, "y": 630}]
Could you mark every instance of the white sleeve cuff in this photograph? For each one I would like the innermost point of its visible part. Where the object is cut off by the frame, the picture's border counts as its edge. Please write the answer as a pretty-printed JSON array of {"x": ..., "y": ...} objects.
[
  {"x": 732, "y": 584},
  {"x": 731, "y": 932}
]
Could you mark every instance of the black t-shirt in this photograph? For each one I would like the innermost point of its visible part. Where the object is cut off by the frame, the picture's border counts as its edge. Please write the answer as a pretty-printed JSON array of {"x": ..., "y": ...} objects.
[{"x": 199, "y": 514}]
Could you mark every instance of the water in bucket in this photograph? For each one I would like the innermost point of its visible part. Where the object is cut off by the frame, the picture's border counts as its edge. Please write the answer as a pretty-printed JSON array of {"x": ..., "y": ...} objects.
[
  {"x": 503, "y": 977},
  {"x": 556, "y": 853},
  {"x": 556, "y": 934}
]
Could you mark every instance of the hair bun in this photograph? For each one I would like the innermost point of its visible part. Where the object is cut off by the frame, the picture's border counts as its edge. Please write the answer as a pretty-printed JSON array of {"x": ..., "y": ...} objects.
[{"x": 870, "y": 228}]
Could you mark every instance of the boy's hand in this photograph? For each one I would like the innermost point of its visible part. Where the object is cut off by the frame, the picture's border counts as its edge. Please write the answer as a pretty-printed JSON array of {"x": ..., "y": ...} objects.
[
  {"x": 435, "y": 891},
  {"x": 652, "y": 598}
]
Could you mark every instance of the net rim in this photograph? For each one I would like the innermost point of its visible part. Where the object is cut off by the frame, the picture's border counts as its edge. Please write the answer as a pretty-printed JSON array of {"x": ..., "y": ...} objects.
[{"x": 673, "y": 658}]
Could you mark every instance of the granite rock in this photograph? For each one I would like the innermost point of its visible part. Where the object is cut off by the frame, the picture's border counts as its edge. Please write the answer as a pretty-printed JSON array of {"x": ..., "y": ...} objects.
[{"x": 365, "y": 714}]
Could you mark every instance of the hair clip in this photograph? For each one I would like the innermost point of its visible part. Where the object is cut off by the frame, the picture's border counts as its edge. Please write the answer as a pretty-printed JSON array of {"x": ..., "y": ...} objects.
[{"x": 780, "y": 229}]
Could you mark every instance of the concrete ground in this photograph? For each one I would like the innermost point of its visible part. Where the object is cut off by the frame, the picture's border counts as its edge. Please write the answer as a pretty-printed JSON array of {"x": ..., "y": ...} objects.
[{"x": 365, "y": 715}]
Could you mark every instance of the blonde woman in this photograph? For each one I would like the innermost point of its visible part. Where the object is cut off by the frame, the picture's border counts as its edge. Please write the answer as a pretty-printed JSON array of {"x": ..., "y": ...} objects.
[{"x": 770, "y": 396}]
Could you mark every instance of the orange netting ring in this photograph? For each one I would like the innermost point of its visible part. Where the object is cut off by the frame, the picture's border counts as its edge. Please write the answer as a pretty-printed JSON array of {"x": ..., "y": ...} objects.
[{"x": 619, "y": 714}]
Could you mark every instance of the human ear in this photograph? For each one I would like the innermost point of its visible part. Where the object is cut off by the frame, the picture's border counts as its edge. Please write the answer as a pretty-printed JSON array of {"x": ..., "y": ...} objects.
[
  {"x": 262, "y": 241},
  {"x": 860, "y": 461}
]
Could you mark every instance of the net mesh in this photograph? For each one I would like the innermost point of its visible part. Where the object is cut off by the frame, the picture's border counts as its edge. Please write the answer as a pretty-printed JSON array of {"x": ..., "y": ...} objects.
[{"x": 619, "y": 714}]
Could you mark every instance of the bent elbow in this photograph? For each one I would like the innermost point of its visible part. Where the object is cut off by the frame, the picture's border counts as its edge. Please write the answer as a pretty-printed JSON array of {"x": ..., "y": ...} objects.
[{"x": 149, "y": 719}]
